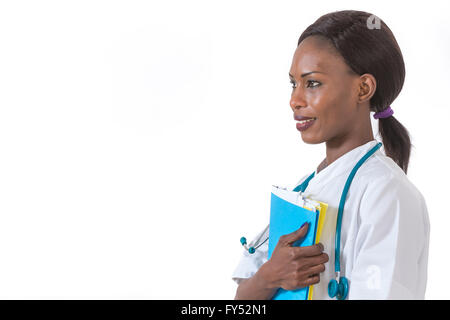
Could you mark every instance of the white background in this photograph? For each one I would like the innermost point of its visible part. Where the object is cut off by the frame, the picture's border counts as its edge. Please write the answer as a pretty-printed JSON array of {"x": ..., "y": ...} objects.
[{"x": 139, "y": 139}]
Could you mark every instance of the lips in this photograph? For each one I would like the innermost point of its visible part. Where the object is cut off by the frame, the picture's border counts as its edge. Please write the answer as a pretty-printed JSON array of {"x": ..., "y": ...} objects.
[
  {"x": 302, "y": 125},
  {"x": 300, "y": 118}
]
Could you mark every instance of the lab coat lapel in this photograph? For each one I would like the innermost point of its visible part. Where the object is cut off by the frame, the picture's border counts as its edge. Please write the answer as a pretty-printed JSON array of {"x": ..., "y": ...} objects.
[{"x": 343, "y": 165}]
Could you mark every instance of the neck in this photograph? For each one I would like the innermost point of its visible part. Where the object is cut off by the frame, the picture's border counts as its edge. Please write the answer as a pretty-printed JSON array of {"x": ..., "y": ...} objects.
[
  {"x": 322, "y": 165},
  {"x": 336, "y": 149},
  {"x": 338, "y": 146}
]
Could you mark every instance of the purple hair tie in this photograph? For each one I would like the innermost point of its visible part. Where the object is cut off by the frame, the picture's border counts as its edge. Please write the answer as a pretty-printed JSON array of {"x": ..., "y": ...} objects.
[{"x": 384, "y": 114}]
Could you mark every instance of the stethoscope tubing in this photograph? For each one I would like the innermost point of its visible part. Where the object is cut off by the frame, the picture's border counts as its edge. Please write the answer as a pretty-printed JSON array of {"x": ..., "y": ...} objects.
[{"x": 337, "y": 239}]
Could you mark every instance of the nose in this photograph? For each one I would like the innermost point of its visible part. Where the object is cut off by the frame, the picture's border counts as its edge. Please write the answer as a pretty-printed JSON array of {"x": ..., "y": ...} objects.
[{"x": 297, "y": 100}]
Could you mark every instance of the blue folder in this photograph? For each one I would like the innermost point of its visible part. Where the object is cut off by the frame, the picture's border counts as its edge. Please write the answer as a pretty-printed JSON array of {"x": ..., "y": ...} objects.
[{"x": 286, "y": 217}]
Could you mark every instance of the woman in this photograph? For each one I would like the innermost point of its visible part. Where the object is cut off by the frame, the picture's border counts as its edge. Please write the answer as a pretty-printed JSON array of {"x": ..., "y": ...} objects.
[{"x": 346, "y": 65}]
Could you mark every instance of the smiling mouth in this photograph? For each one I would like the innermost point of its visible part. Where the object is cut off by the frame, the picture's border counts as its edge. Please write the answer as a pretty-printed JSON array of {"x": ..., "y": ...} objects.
[{"x": 306, "y": 121}]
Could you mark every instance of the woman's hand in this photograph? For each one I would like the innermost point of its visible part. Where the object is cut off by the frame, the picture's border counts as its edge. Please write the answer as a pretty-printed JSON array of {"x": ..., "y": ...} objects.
[{"x": 291, "y": 267}]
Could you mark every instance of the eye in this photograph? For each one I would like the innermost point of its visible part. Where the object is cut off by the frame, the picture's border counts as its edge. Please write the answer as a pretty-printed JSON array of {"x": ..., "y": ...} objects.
[
  {"x": 313, "y": 81},
  {"x": 293, "y": 84},
  {"x": 309, "y": 82}
]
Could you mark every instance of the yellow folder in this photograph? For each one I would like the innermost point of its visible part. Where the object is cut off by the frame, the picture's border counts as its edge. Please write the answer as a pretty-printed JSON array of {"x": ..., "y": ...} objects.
[{"x": 322, "y": 212}]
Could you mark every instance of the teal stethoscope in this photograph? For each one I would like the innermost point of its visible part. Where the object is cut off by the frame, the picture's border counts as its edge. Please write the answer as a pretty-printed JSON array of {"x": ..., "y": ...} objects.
[{"x": 336, "y": 287}]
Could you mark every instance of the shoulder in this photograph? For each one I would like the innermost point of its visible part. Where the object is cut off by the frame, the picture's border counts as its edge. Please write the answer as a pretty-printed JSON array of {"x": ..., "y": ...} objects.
[
  {"x": 381, "y": 174},
  {"x": 387, "y": 190}
]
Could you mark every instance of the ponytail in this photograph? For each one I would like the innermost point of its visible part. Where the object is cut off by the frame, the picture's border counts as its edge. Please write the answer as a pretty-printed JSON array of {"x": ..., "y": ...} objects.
[{"x": 396, "y": 141}]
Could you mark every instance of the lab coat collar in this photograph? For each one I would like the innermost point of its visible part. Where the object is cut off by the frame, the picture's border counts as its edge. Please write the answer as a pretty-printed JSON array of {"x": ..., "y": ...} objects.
[{"x": 343, "y": 164}]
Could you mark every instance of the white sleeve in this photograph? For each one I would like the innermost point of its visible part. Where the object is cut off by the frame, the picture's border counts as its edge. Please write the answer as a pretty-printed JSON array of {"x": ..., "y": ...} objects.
[
  {"x": 250, "y": 263},
  {"x": 391, "y": 246}
]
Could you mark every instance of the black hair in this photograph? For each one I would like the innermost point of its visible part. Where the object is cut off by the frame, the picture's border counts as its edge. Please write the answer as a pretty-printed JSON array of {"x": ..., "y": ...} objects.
[{"x": 369, "y": 46}]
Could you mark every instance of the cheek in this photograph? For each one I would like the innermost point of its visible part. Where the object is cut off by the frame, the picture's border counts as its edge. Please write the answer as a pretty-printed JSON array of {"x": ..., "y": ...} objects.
[
  {"x": 332, "y": 104},
  {"x": 332, "y": 113}
]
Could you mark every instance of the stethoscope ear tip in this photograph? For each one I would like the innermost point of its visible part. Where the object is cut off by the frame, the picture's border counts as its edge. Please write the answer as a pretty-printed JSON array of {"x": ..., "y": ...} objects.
[{"x": 250, "y": 250}]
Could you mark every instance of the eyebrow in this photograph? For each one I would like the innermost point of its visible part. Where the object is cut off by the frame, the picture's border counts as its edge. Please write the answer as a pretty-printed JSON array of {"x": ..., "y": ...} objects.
[{"x": 305, "y": 74}]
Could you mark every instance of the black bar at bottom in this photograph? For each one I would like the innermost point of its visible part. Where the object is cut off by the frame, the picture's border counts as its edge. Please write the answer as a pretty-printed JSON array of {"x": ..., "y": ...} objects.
[{"x": 212, "y": 309}]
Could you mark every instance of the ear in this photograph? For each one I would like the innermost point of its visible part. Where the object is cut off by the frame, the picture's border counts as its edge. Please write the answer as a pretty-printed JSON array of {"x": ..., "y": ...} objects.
[{"x": 367, "y": 87}]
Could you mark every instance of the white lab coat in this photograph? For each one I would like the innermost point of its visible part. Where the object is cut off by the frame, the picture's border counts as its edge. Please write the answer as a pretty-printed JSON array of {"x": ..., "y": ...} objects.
[{"x": 384, "y": 235}]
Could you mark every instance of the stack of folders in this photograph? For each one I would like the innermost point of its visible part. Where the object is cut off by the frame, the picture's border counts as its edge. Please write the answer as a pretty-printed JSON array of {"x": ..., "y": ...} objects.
[{"x": 288, "y": 211}]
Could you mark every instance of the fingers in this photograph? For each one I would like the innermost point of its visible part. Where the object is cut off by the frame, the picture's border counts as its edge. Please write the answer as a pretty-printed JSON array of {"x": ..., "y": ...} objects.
[
  {"x": 305, "y": 270},
  {"x": 308, "y": 251},
  {"x": 315, "y": 270},
  {"x": 308, "y": 262},
  {"x": 300, "y": 280},
  {"x": 290, "y": 238},
  {"x": 309, "y": 280},
  {"x": 312, "y": 275},
  {"x": 315, "y": 278}
]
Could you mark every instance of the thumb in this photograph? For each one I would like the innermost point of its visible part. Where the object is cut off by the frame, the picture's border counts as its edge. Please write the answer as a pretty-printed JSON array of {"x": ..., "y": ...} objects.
[{"x": 290, "y": 238}]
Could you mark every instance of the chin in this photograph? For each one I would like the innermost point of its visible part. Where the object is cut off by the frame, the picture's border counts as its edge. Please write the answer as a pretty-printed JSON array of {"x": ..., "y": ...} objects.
[{"x": 311, "y": 139}]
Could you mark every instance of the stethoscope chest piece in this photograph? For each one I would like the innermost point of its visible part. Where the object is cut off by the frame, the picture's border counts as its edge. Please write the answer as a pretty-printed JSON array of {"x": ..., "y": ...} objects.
[{"x": 338, "y": 289}]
